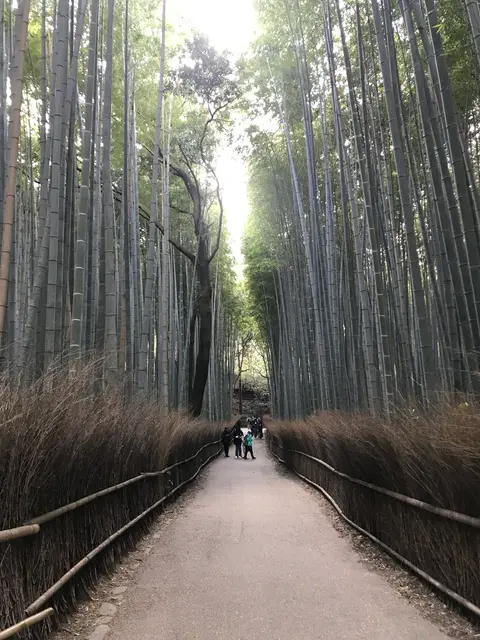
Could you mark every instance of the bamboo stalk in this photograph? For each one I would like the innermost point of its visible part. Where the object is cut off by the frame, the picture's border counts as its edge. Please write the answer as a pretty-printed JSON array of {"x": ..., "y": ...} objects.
[
  {"x": 19, "y": 532},
  {"x": 43, "y": 599},
  {"x": 22, "y": 18},
  {"x": 24, "y": 624},
  {"x": 413, "y": 502},
  {"x": 435, "y": 583}
]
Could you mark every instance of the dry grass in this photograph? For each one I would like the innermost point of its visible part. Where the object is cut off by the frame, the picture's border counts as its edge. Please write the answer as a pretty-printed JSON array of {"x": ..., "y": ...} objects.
[
  {"x": 58, "y": 443},
  {"x": 434, "y": 458}
]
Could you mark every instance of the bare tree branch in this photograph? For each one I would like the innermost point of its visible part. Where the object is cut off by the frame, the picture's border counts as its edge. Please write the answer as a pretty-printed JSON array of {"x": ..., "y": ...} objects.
[
  {"x": 179, "y": 172},
  {"x": 188, "y": 254}
]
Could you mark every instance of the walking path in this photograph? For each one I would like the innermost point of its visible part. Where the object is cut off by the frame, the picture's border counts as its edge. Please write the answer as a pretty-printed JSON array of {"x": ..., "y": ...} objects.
[{"x": 255, "y": 556}]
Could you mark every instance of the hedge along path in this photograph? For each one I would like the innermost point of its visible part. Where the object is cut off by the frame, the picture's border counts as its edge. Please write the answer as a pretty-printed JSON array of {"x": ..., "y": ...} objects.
[
  {"x": 33, "y": 611},
  {"x": 43, "y": 599},
  {"x": 446, "y": 513},
  {"x": 33, "y": 526},
  {"x": 413, "y": 502}
]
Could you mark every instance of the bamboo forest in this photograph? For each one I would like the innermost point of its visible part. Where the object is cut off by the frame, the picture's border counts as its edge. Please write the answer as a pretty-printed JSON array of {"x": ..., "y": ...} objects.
[
  {"x": 362, "y": 244},
  {"x": 359, "y": 126},
  {"x": 112, "y": 244}
]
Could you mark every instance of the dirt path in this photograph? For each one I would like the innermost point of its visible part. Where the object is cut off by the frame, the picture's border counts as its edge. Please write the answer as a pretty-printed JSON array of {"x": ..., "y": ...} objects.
[{"x": 254, "y": 556}]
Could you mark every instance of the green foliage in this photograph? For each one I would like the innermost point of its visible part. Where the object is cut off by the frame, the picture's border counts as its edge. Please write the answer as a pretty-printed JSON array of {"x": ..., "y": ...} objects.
[
  {"x": 461, "y": 55},
  {"x": 205, "y": 75}
]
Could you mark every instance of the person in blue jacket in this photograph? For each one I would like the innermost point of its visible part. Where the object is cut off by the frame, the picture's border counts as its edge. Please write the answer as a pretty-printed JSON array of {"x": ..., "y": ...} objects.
[{"x": 249, "y": 445}]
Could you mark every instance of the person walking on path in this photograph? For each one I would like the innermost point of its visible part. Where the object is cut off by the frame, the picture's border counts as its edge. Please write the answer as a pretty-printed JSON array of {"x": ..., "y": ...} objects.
[
  {"x": 237, "y": 440},
  {"x": 249, "y": 445},
  {"x": 260, "y": 427},
  {"x": 226, "y": 440}
]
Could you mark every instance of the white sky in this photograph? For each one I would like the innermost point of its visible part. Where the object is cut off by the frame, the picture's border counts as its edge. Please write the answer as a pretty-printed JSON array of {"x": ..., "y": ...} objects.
[{"x": 231, "y": 26}]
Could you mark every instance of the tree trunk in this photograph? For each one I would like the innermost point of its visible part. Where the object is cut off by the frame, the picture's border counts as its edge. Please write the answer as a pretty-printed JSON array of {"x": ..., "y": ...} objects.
[{"x": 204, "y": 309}]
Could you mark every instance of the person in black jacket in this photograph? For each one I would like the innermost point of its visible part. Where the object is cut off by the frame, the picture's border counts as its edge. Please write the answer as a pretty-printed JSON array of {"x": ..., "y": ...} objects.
[
  {"x": 237, "y": 440},
  {"x": 226, "y": 440},
  {"x": 260, "y": 427}
]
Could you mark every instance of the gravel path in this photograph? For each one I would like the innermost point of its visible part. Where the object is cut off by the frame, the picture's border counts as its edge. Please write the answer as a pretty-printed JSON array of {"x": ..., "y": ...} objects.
[{"x": 254, "y": 556}]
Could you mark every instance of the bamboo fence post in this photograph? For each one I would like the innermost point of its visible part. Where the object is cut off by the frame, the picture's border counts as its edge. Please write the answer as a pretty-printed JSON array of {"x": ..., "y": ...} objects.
[{"x": 24, "y": 624}]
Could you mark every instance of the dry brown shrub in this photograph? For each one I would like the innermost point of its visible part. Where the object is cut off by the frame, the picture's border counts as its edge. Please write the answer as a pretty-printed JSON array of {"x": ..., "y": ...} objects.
[
  {"x": 434, "y": 458},
  {"x": 58, "y": 443}
]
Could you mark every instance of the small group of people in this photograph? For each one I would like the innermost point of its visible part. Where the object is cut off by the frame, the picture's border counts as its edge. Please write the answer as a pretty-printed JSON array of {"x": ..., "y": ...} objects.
[
  {"x": 256, "y": 426},
  {"x": 242, "y": 441}
]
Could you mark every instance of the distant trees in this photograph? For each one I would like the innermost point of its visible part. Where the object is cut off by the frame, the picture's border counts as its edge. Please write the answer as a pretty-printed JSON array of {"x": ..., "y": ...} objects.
[{"x": 207, "y": 78}]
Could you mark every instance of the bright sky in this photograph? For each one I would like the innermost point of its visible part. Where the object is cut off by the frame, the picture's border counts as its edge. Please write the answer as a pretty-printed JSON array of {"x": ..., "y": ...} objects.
[{"x": 231, "y": 26}]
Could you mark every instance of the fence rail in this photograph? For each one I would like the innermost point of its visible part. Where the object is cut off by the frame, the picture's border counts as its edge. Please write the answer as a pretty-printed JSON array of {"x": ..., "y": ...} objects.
[
  {"x": 44, "y": 598},
  {"x": 18, "y": 532},
  {"x": 275, "y": 446},
  {"x": 24, "y": 624},
  {"x": 34, "y": 610}
]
